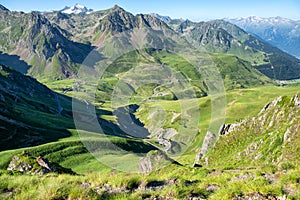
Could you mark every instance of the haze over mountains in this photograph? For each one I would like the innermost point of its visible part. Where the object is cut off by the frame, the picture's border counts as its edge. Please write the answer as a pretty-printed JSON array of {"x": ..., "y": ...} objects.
[{"x": 280, "y": 32}]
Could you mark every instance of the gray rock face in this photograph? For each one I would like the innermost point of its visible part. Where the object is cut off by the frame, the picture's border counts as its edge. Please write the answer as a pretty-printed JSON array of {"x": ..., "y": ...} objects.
[
  {"x": 154, "y": 160},
  {"x": 271, "y": 104},
  {"x": 17, "y": 164},
  {"x": 208, "y": 142}
]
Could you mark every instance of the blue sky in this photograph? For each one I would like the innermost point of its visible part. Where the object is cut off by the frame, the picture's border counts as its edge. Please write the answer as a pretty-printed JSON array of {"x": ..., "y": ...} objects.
[{"x": 192, "y": 9}]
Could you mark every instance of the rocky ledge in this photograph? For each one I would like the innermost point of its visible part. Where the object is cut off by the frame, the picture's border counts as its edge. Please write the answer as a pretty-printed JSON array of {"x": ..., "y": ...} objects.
[{"x": 27, "y": 164}]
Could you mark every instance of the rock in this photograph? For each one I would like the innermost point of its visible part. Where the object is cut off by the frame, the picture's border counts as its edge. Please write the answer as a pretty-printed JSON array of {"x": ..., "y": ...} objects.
[
  {"x": 255, "y": 196},
  {"x": 271, "y": 104},
  {"x": 244, "y": 177},
  {"x": 145, "y": 165},
  {"x": 27, "y": 164},
  {"x": 212, "y": 188},
  {"x": 195, "y": 196},
  {"x": 208, "y": 142},
  {"x": 271, "y": 178},
  {"x": 17, "y": 164},
  {"x": 108, "y": 189},
  {"x": 286, "y": 137},
  {"x": 296, "y": 100},
  {"x": 154, "y": 160},
  {"x": 43, "y": 162},
  {"x": 224, "y": 129}
]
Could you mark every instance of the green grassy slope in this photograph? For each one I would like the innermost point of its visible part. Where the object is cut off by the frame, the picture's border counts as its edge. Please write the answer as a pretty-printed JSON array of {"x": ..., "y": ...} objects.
[{"x": 240, "y": 104}]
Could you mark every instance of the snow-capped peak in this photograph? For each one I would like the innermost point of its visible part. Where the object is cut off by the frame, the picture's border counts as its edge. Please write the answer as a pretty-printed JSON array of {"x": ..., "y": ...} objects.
[
  {"x": 76, "y": 9},
  {"x": 166, "y": 19}
]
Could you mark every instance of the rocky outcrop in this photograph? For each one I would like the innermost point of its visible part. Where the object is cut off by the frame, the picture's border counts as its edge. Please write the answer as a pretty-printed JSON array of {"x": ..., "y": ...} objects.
[
  {"x": 269, "y": 137},
  {"x": 154, "y": 160},
  {"x": 296, "y": 100},
  {"x": 227, "y": 128},
  {"x": 27, "y": 164}
]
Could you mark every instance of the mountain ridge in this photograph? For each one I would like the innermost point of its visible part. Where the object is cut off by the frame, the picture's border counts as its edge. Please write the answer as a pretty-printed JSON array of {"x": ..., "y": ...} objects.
[
  {"x": 57, "y": 43},
  {"x": 76, "y": 9},
  {"x": 280, "y": 32}
]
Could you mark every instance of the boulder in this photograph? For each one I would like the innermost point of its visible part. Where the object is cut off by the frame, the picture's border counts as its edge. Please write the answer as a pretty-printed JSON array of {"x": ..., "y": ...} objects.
[
  {"x": 27, "y": 164},
  {"x": 154, "y": 160}
]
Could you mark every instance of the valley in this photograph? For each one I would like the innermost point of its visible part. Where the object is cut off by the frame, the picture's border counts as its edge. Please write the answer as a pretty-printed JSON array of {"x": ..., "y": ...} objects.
[{"x": 113, "y": 105}]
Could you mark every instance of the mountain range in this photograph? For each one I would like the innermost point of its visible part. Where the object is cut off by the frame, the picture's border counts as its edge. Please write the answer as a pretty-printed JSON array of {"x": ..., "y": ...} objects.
[
  {"x": 55, "y": 43},
  {"x": 280, "y": 32}
]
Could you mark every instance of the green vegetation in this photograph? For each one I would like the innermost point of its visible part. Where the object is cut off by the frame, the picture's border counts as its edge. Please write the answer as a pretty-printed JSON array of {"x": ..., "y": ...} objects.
[
  {"x": 176, "y": 181},
  {"x": 163, "y": 92}
]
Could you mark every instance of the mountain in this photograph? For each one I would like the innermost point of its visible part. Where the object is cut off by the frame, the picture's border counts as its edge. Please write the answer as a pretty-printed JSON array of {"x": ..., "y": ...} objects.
[
  {"x": 166, "y": 19},
  {"x": 42, "y": 45},
  {"x": 54, "y": 44},
  {"x": 280, "y": 32},
  {"x": 2, "y": 8},
  {"x": 76, "y": 9},
  {"x": 220, "y": 36}
]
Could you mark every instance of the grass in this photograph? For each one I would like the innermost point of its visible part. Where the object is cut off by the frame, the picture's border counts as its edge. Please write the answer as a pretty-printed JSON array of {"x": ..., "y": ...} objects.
[
  {"x": 70, "y": 152},
  {"x": 240, "y": 104},
  {"x": 193, "y": 181}
]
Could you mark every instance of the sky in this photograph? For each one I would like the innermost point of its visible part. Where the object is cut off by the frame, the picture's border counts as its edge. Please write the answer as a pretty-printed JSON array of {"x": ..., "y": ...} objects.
[{"x": 196, "y": 10}]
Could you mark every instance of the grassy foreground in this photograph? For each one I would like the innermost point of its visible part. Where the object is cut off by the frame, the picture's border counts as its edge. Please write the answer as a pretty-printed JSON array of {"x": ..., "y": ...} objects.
[{"x": 98, "y": 181}]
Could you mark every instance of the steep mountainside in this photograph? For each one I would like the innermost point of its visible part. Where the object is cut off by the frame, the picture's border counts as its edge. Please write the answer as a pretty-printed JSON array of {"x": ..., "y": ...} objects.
[
  {"x": 271, "y": 137},
  {"x": 94, "y": 27},
  {"x": 41, "y": 44},
  {"x": 280, "y": 32},
  {"x": 30, "y": 113},
  {"x": 55, "y": 43}
]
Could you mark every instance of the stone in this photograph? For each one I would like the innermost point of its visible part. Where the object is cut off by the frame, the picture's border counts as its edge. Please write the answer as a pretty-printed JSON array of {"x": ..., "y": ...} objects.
[
  {"x": 271, "y": 104},
  {"x": 154, "y": 160},
  {"x": 296, "y": 100},
  {"x": 255, "y": 196},
  {"x": 26, "y": 164},
  {"x": 212, "y": 188},
  {"x": 286, "y": 137},
  {"x": 224, "y": 129},
  {"x": 17, "y": 164},
  {"x": 43, "y": 162}
]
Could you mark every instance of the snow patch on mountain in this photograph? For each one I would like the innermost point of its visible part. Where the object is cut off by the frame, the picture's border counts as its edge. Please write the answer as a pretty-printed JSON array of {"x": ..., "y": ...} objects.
[
  {"x": 166, "y": 19},
  {"x": 76, "y": 9}
]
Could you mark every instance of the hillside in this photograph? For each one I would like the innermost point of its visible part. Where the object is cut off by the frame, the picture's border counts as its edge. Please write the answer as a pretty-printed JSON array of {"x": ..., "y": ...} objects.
[
  {"x": 223, "y": 37},
  {"x": 271, "y": 137},
  {"x": 42, "y": 45},
  {"x": 30, "y": 113}
]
